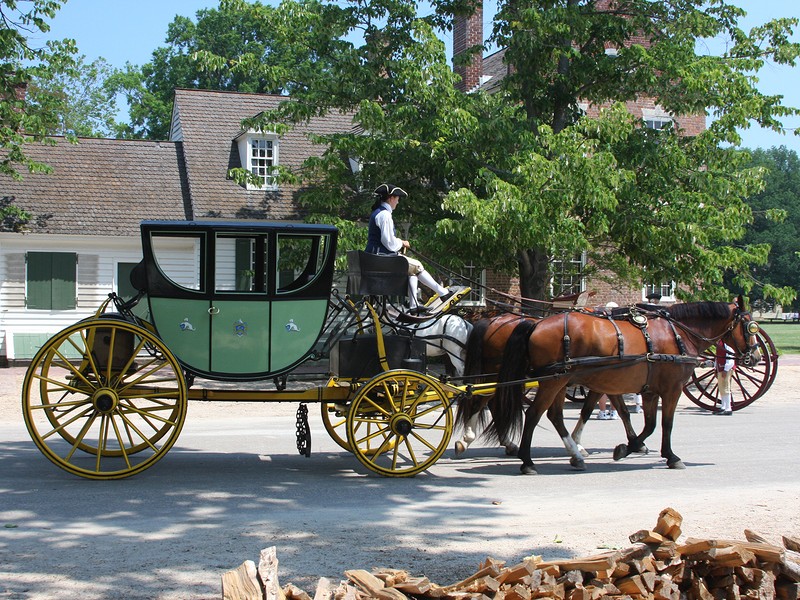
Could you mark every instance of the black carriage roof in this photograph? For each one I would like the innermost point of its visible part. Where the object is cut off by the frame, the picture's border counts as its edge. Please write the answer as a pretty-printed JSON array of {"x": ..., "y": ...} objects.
[{"x": 238, "y": 225}]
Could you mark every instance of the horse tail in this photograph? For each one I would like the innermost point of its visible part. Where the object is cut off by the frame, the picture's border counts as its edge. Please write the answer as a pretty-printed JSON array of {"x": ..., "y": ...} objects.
[
  {"x": 468, "y": 405},
  {"x": 509, "y": 398},
  {"x": 473, "y": 362}
]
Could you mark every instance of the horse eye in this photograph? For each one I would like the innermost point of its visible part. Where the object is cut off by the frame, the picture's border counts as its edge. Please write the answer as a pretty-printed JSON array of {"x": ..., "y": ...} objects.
[{"x": 752, "y": 327}]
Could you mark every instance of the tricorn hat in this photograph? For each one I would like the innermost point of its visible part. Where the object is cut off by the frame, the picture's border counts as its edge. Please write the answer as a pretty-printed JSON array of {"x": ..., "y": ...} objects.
[{"x": 396, "y": 191}]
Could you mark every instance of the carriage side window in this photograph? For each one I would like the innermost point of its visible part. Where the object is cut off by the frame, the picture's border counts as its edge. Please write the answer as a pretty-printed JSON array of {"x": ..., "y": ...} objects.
[
  {"x": 236, "y": 264},
  {"x": 300, "y": 260},
  {"x": 178, "y": 258}
]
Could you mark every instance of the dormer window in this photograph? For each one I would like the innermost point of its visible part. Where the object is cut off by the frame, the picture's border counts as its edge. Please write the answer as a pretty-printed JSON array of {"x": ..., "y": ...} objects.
[{"x": 259, "y": 155}]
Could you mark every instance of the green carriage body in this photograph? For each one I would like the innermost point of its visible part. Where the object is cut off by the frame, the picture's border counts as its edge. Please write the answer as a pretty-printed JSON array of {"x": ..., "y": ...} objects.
[{"x": 237, "y": 300}]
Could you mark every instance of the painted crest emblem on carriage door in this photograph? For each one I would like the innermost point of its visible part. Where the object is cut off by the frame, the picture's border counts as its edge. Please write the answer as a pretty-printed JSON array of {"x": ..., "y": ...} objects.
[
  {"x": 185, "y": 325},
  {"x": 240, "y": 328},
  {"x": 292, "y": 326}
]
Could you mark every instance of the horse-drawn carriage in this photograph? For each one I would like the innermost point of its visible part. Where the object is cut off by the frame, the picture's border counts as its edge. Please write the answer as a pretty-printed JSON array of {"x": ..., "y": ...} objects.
[{"x": 244, "y": 302}]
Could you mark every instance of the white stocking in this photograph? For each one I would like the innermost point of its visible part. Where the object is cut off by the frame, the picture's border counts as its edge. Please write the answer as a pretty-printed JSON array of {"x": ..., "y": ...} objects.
[
  {"x": 726, "y": 401},
  {"x": 431, "y": 283},
  {"x": 412, "y": 291}
]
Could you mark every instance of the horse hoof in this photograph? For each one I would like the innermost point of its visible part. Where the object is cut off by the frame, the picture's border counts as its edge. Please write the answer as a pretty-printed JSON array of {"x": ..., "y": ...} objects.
[
  {"x": 577, "y": 464},
  {"x": 641, "y": 450},
  {"x": 678, "y": 464},
  {"x": 528, "y": 470},
  {"x": 460, "y": 448},
  {"x": 511, "y": 450},
  {"x": 620, "y": 452}
]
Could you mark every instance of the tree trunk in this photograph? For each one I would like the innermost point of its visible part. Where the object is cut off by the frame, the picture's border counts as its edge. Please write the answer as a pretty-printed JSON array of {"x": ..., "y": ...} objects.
[{"x": 534, "y": 278}]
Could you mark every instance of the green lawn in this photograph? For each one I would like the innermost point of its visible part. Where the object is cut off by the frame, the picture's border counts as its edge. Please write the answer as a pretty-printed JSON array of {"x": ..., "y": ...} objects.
[{"x": 786, "y": 337}]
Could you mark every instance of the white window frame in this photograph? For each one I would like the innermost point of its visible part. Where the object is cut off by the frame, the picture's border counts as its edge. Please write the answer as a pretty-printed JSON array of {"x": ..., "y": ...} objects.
[
  {"x": 656, "y": 118},
  {"x": 648, "y": 288},
  {"x": 476, "y": 297},
  {"x": 249, "y": 158},
  {"x": 580, "y": 261}
]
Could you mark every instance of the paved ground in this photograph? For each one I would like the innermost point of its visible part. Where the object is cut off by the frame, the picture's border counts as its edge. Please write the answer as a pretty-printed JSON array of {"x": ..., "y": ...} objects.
[{"x": 234, "y": 484}]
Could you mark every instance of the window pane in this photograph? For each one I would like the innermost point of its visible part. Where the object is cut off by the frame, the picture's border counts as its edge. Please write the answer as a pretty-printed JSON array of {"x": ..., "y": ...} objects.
[
  {"x": 300, "y": 259},
  {"x": 178, "y": 258}
]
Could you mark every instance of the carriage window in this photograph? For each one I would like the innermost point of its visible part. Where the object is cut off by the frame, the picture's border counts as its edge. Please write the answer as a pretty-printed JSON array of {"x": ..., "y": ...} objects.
[
  {"x": 178, "y": 258},
  {"x": 300, "y": 259},
  {"x": 237, "y": 267}
]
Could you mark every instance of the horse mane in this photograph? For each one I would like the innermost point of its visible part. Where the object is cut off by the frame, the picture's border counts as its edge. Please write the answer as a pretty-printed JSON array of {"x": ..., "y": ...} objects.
[{"x": 699, "y": 311}]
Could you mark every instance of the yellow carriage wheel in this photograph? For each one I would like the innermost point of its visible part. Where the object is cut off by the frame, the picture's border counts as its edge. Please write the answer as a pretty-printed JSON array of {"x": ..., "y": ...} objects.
[
  {"x": 400, "y": 423},
  {"x": 104, "y": 399},
  {"x": 334, "y": 418}
]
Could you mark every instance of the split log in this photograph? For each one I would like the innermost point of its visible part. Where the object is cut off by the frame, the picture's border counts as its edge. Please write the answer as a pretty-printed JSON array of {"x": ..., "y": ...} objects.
[
  {"x": 669, "y": 524},
  {"x": 268, "y": 574},
  {"x": 241, "y": 583}
]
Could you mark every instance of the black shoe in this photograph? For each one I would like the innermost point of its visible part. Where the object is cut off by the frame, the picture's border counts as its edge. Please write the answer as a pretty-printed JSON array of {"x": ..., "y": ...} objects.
[
  {"x": 419, "y": 311},
  {"x": 450, "y": 293},
  {"x": 727, "y": 413}
]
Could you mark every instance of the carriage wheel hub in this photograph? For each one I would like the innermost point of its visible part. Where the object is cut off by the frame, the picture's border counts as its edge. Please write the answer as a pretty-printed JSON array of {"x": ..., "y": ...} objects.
[
  {"x": 401, "y": 424},
  {"x": 105, "y": 400}
]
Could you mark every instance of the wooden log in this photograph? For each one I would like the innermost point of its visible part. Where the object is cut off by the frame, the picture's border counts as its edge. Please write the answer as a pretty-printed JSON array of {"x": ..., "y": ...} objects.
[
  {"x": 491, "y": 571},
  {"x": 241, "y": 583},
  {"x": 599, "y": 562},
  {"x": 791, "y": 543},
  {"x": 752, "y": 536},
  {"x": 345, "y": 591},
  {"x": 325, "y": 589},
  {"x": 647, "y": 536},
  {"x": 391, "y": 594},
  {"x": 414, "y": 585},
  {"x": 518, "y": 571},
  {"x": 366, "y": 581},
  {"x": 766, "y": 552},
  {"x": 292, "y": 592},
  {"x": 700, "y": 591},
  {"x": 730, "y": 556},
  {"x": 518, "y": 592},
  {"x": 669, "y": 524},
  {"x": 268, "y": 574},
  {"x": 632, "y": 585},
  {"x": 390, "y": 577}
]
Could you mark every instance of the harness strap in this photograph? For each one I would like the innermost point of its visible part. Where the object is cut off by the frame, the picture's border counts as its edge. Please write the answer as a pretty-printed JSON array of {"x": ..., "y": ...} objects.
[
  {"x": 620, "y": 338},
  {"x": 567, "y": 339},
  {"x": 678, "y": 338}
]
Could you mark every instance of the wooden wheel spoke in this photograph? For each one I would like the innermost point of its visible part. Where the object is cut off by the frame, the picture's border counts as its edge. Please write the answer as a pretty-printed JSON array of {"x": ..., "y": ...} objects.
[
  {"x": 412, "y": 455},
  {"x": 122, "y": 447},
  {"x": 148, "y": 413},
  {"x": 423, "y": 440},
  {"x": 147, "y": 374},
  {"x": 385, "y": 445},
  {"x": 81, "y": 434},
  {"x": 377, "y": 407},
  {"x": 130, "y": 424},
  {"x": 62, "y": 426}
]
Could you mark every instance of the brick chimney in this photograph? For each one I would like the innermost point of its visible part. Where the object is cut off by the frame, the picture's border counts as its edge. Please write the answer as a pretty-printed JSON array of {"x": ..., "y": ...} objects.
[{"x": 468, "y": 32}]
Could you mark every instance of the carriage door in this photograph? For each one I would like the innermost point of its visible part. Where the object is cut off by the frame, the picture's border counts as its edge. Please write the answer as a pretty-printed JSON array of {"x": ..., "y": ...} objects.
[{"x": 240, "y": 309}]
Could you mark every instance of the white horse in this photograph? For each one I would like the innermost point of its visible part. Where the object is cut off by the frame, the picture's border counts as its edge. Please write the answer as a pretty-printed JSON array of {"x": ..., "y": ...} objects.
[{"x": 445, "y": 336}]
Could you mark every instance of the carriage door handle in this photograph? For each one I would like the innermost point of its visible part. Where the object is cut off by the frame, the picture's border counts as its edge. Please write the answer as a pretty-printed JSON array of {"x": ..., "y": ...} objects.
[{"x": 213, "y": 311}]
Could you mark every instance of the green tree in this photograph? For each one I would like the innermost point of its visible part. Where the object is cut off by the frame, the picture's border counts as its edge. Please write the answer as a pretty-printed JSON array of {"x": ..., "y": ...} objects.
[
  {"x": 22, "y": 119},
  {"x": 87, "y": 103},
  {"x": 236, "y": 30},
  {"x": 514, "y": 178},
  {"x": 781, "y": 194}
]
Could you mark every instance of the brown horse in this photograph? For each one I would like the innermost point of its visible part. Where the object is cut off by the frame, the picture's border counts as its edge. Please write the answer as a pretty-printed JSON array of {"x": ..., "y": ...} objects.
[
  {"x": 486, "y": 346},
  {"x": 652, "y": 353}
]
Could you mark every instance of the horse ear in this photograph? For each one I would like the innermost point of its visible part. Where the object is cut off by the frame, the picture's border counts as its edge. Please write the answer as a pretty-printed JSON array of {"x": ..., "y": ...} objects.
[{"x": 740, "y": 302}]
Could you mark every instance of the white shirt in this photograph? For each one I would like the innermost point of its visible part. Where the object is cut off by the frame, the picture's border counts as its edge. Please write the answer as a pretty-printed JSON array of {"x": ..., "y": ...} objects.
[{"x": 385, "y": 223}]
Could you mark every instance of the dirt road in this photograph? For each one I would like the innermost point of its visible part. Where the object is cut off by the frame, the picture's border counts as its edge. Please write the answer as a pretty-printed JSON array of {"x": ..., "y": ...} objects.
[{"x": 235, "y": 484}]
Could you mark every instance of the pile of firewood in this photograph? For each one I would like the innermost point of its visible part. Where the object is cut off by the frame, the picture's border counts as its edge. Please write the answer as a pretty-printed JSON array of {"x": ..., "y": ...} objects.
[{"x": 656, "y": 567}]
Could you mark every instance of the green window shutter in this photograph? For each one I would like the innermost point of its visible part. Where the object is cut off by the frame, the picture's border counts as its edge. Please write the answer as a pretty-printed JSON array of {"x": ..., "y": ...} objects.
[
  {"x": 64, "y": 275},
  {"x": 51, "y": 280},
  {"x": 40, "y": 280}
]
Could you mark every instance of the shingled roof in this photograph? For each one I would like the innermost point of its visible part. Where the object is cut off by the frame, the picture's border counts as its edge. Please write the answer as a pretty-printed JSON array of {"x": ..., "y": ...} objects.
[
  {"x": 101, "y": 186},
  {"x": 208, "y": 123}
]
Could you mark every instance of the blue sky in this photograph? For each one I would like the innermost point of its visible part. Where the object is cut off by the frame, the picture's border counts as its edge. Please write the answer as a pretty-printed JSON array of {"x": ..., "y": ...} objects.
[{"x": 123, "y": 31}]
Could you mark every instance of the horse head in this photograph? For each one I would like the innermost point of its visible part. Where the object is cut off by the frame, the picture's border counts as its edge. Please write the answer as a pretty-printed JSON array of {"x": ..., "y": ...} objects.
[{"x": 741, "y": 335}]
